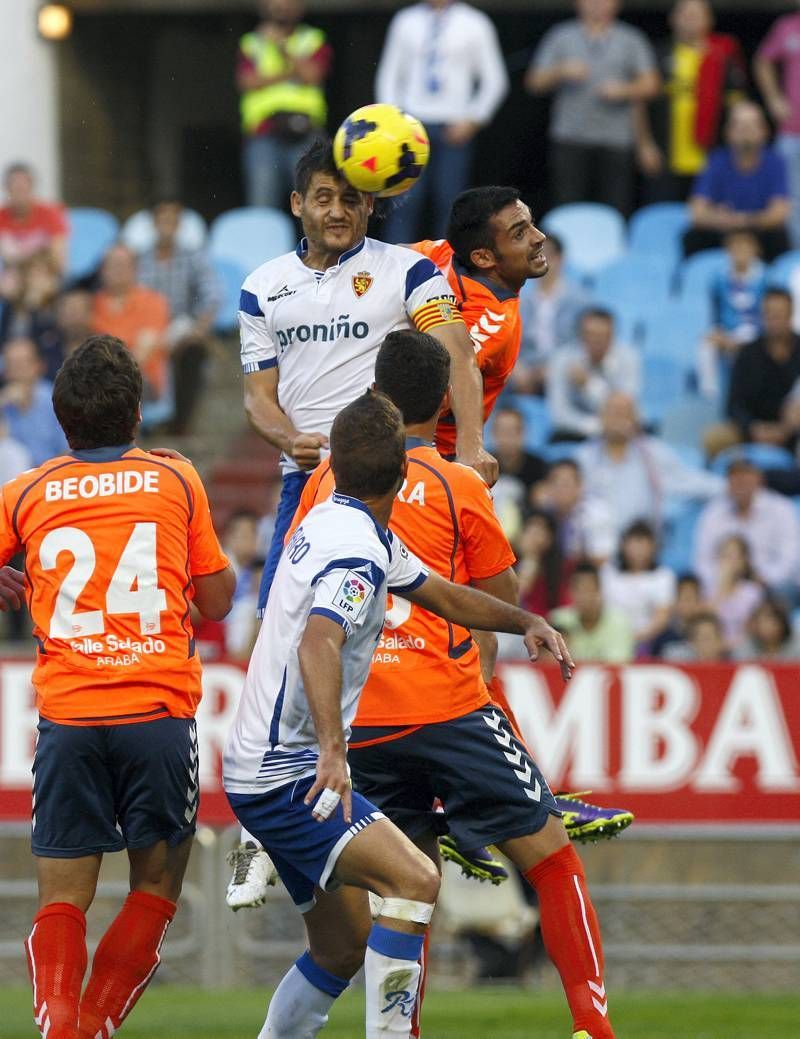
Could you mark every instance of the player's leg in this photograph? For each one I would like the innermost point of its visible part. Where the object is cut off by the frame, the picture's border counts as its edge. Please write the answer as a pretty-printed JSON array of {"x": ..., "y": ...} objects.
[
  {"x": 73, "y": 824},
  {"x": 155, "y": 771}
]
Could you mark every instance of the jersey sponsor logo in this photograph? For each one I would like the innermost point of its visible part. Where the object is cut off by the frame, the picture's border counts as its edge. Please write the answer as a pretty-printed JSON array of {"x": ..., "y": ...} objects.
[
  {"x": 362, "y": 282},
  {"x": 281, "y": 294},
  {"x": 353, "y": 594},
  {"x": 487, "y": 325},
  {"x": 337, "y": 328}
]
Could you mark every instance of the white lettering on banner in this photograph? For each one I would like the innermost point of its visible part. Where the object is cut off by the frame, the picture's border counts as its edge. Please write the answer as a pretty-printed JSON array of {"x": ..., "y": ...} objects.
[
  {"x": 573, "y": 736},
  {"x": 750, "y": 724},
  {"x": 103, "y": 485},
  {"x": 18, "y": 721},
  {"x": 659, "y": 748},
  {"x": 222, "y": 688}
]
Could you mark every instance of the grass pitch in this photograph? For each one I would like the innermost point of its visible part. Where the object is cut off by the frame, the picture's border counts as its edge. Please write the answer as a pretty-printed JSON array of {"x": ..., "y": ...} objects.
[{"x": 490, "y": 1013}]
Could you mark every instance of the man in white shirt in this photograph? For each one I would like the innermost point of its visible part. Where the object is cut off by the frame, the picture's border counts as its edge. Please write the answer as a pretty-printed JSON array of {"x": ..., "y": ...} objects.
[
  {"x": 766, "y": 520},
  {"x": 442, "y": 63},
  {"x": 285, "y": 767}
]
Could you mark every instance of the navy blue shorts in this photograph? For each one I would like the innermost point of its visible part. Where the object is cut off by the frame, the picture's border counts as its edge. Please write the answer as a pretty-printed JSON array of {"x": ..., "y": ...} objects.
[
  {"x": 99, "y": 788},
  {"x": 491, "y": 787},
  {"x": 305, "y": 852},
  {"x": 291, "y": 493}
]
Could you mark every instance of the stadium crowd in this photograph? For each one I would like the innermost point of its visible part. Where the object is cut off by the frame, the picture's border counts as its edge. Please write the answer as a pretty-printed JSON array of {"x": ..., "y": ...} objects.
[{"x": 647, "y": 438}]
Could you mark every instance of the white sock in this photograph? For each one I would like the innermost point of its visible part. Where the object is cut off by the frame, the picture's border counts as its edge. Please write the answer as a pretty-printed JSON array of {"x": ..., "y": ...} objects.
[
  {"x": 300, "y": 1005},
  {"x": 392, "y": 971},
  {"x": 249, "y": 837}
]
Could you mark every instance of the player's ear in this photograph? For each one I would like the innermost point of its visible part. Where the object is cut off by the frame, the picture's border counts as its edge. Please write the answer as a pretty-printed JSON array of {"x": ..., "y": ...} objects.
[
  {"x": 370, "y": 203},
  {"x": 482, "y": 258},
  {"x": 447, "y": 399},
  {"x": 296, "y": 203}
]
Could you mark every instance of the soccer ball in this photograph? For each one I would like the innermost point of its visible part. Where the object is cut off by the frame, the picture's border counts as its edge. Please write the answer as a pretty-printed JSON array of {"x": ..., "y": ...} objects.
[{"x": 381, "y": 149}]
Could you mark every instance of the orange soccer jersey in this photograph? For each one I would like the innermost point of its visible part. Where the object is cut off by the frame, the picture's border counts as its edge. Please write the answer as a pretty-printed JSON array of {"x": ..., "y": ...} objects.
[
  {"x": 425, "y": 669},
  {"x": 492, "y": 319},
  {"x": 112, "y": 539}
]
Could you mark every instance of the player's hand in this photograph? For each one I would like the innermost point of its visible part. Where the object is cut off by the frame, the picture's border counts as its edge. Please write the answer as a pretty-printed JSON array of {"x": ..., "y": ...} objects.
[
  {"x": 12, "y": 588},
  {"x": 306, "y": 449},
  {"x": 331, "y": 786},
  {"x": 539, "y": 634},
  {"x": 484, "y": 464},
  {"x": 170, "y": 452}
]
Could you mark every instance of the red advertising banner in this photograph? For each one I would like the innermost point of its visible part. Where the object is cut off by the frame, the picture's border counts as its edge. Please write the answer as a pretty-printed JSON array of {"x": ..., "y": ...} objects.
[{"x": 704, "y": 744}]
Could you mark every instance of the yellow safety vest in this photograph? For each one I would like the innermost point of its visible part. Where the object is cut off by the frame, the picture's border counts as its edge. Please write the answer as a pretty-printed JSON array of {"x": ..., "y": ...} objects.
[{"x": 268, "y": 59}]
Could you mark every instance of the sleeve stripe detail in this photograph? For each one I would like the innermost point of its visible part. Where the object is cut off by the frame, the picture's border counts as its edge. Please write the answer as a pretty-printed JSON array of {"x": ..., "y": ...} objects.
[
  {"x": 436, "y": 312},
  {"x": 248, "y": 304},
  {"x": 422, "y": 271},
  {"x": 421, "y": 578},
  {"x": 259, "y": 366},
  {"x": 332, "y": 616},
  {"x": 376, "y": 575}
]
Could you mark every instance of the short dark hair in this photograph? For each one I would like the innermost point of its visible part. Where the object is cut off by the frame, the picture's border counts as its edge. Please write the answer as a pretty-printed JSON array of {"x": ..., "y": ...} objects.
[
  {"x": 413, "y": 370},
  {"x": 317, "y": 158},
  {"x": 598, "y": 312},
  {"x": 780, "y": 292},
  {"x": 18, "y": 167},
  {"x": 508, "y": 409},
  {"x": 565, "y": 463},
  {"x": 638, "y": 529},
  {"x": 779, "y": 610},
  {"x": 242, "y": 514},
  {"x": 703, "y": 617},
  {"x": 687, "y": 577},
  {"x": 368, "y": 449},
  {"x": 469, "y": 227},
  {"x": 586, "y": 569},
  {"x": 97, "y": 394}
]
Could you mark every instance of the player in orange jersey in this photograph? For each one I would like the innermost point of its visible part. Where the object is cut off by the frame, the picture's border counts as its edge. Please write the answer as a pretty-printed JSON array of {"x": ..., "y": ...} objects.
[
  {"x": 426, "y": 727},
  {"x": 492, "y": 248},
  {"x": 118, "y": 544}
]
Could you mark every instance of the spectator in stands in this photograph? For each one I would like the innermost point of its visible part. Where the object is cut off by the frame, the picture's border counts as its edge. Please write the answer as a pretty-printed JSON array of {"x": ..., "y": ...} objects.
[
  {"x": 781, "y": 47},
  {"x": 764, "y": 374},
  {"x": 701, "y": 72},
  {"x": 593, "y": 629},
  {"x": 28, "y": 226},
  {"x": 28, "y": 292},
  {"x": 72, "y": 327},
  {"x": 15, "y": 458},
  {"x": 585, "y": 528},
  {"x": 25, "y": 402},
  {"x": 598, "y": 68},
  {"x": 635, "y": 474},
  {"x": 519, "y": 469},
  {"x": 770, "y": 635},
  {"x": 191, "y": 287},
  {"x": 736, "y": 593},
  {"x": 737, "y": 294},
  {"x": 442, "y": 63},
  {"x": 767, "y": 521},
  {"x": 241, "y": 547},
  {"x": 744, "y": 187},
  {"x": 549, "y": 309},
  {"x": 706, "y": 643},
  {"x": 584, "y": 374},
  {"x": 637, "y": 586},
  {"x": 140, "y": 318},
  {"x": 542, "y": 569},
  {"x": 688, "y": 603},
  {"x": 281, "y": 69}
]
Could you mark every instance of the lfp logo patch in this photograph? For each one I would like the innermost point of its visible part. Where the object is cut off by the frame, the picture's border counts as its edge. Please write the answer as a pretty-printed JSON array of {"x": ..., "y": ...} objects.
[{"x": 353, "y": 594}]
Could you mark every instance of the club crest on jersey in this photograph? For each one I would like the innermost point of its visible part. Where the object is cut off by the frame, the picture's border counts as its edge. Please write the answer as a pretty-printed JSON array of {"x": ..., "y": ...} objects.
[{"x": 362, "y": 282}]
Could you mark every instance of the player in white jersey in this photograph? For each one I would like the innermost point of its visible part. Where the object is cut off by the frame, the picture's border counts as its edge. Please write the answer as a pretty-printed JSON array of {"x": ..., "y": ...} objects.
[{"x": 285, "y": 768}]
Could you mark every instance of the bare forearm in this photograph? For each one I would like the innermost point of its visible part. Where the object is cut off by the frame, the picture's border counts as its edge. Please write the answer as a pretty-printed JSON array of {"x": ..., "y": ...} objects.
[
  {"x": 270, "y": 422},
  {"x": 321, "y": 668},
  {"x": 766, "y": 77},
  {"x": 466, "y": 386},
  {"x": 470, "y": 607}
]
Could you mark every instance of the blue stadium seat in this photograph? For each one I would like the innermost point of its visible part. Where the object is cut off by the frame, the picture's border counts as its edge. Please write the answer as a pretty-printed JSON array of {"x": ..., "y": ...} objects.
[
  {"x": 664, "y": 383},
  {"x": 593, "y": 234},
  {"x": 230, "y": 276},
  {"x": 780, "y": 270},
  {"x": 698, "y": 271},
  {"x": 764, "y": 456},
  {"x": 675, "y": 329},
  {"x": 251, "y": 235},
  {"x": 538, "y": 425},
  {"x": 139, "y": 231},
  {"x": 91, "y": 233},
  {"x": 656, "y": 232},
  {"x": 559, "y": 451},
  {"x": 677, "y": 543},
  {"x": 633, "y": 281},
  {"x": 684, "y": 422}
]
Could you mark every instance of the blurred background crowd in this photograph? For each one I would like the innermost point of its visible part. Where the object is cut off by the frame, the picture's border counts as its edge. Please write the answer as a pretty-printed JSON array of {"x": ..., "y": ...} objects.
[{"x": 648, "y": 438}]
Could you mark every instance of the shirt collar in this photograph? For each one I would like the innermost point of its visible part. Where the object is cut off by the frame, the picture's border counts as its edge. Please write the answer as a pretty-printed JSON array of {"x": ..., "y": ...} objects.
[
  {"x": 103, "y": 454},
  {"x": 499, "y": 293},
  {"x": 356, "y": 503},
  {"x": 412, "y": 442},
  {"x": 302, "y": 249}
]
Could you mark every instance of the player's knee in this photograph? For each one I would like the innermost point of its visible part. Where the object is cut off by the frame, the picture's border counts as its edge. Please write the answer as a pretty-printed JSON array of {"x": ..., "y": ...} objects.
[{"x": 420, "y": 884}]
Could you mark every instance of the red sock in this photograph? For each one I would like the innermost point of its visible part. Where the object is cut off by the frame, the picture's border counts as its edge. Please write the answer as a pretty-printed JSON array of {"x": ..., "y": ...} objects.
[
  {"x": 56, "y": 951},
  {"x": 571, "y": 936},
  {"x": 125, "y": 961},
  {"x": 416, "y": 1019}
]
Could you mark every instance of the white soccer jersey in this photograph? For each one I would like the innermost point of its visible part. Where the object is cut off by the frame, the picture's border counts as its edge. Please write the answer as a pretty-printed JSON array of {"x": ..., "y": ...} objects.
[
  {"x": 339, "y": 563},
  {"x": 323, "y": 329}
]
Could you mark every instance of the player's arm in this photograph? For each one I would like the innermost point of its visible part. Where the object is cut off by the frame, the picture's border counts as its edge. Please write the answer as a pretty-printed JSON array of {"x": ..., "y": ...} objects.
[
  {"x": 213, "y": 593},
  {"x": 320, "y": 657},
  {"x": 466, "y": 399},
  {"x": 12, "y": 582},
  {"x": 503, "y": 586},
  {"x": 475, "y": 609},
  {"x": 270, "y": 421}
]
